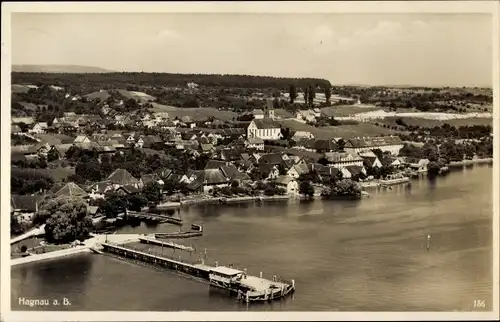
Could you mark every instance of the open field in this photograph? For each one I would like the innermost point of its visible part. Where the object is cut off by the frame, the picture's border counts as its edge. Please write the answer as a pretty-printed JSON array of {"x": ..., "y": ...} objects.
[
  {"x": 344, "y": 131},
  {"x": 136, "y": 95},
  {"x": 415, "y": 121},
  {"x": 196, "y": 114},
  {"x": 347, "y": 110}
]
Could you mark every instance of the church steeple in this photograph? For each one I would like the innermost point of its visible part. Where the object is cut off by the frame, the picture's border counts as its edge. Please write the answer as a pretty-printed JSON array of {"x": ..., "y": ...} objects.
[{"x": 269, "y": 109}]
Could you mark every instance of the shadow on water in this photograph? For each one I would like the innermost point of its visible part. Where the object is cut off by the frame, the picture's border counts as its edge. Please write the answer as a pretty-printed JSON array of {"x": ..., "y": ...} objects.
[{"x": 71, "y": 273}]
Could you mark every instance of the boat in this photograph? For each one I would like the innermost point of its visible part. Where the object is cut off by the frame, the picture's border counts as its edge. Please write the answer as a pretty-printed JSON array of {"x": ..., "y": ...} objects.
[
  {"x": 395, "y": 179},
  {"x": 249, "y": 288},
  {"x": 183, "y": 234}
]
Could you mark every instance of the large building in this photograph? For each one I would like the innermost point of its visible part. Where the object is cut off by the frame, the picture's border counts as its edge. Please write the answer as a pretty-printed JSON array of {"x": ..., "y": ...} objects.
[
  {"x": 265, "y": 128},
  {"x": 390, "y": 144}
]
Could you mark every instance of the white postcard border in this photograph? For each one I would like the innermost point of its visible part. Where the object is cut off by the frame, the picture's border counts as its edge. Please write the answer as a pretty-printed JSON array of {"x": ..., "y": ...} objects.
[{"x": 304, "y": 7}]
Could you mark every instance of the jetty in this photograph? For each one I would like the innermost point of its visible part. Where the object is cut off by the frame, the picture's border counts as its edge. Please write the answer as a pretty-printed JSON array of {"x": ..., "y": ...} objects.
[
  {"x": 196, "y": 231},
  {"x": 180, "y": 234},
  {"x": 153, "y": 241},
  {"x": 247, "y": 288},
  {"x": 154, "y": 217}
]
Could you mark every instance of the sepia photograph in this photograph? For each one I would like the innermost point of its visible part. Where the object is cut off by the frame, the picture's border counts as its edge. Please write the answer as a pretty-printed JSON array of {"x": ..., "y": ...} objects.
[{"x": 254, "y": 158}]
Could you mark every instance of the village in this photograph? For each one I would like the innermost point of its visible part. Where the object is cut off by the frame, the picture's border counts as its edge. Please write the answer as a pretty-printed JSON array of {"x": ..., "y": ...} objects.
[{"x": 150, "y": 161}]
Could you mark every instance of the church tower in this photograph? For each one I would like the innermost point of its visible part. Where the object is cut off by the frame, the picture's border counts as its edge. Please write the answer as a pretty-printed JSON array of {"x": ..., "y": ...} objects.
[{"x": 269, "y": 110}]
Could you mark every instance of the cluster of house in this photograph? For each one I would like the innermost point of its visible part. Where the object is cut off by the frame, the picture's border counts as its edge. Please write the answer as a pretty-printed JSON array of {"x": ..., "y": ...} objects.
[{"x": 243, "y": 155}]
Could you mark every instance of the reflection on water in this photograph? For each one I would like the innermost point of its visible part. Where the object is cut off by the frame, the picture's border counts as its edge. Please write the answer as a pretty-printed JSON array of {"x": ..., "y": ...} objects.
[{"x": 344, "y": 255}]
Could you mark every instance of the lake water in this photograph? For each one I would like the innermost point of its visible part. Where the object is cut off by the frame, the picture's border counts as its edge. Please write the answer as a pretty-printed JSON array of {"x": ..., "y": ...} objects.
[{"x": 367, "y": 255}]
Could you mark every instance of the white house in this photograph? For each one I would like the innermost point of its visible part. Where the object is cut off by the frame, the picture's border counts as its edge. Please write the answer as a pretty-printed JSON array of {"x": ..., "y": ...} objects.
[
  {"x": 420, "y": 165},
  {"x": 39, "y": 128},
  {"x": 302, "y": 135},
  {"x": 255, "y": 143},
  {"x": 161, "y": 116},
  {"x": 139, "y": 143},
  {"x": 131, "y": 139},
  {"x": 289, "y": 184},
  {"x": 305, "y": 116},
  {"x": 82, "y": 139},
  {"x": 292, "y": 172},
  {"x": 258, "y": 114},
  {"x": 264, "y": 129},
  {"x": 371, "y": 161}
]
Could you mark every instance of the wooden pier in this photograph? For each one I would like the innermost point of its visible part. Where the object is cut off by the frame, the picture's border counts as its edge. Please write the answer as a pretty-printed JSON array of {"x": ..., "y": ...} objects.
[
  {"x": 197, "y": 270},
  {"x": 152, "y": 241},
  {"x": 250, "y": 288},
  {"x": 154, "y": 217}
]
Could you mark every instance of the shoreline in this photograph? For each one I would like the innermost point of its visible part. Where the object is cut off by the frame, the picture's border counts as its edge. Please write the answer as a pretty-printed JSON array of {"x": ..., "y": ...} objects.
[
  {"x": 93, "y": 242},
  {"x": 90, "y": 245},
  {"x": 470, "y": 162}
]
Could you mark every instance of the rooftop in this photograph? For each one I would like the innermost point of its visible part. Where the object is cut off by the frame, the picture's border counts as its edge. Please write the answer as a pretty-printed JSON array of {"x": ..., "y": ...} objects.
[{"x": 225, "y": 270}]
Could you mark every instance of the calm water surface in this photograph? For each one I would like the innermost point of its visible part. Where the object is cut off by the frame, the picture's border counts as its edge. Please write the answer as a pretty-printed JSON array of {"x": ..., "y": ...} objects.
[{"x": 367, "y": 255}]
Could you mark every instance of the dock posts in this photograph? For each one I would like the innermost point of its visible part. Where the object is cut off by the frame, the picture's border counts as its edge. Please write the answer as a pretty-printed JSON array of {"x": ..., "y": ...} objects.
[
  {"x": 216, "y": 263},
  {"x": 293, "y": 283},
  {"x": 260, "y": 275},
  {"x": 274, "y": 278}
]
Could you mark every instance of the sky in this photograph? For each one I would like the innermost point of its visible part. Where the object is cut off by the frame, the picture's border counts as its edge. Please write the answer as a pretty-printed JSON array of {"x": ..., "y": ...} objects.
[{"x": 371, "y": 49}]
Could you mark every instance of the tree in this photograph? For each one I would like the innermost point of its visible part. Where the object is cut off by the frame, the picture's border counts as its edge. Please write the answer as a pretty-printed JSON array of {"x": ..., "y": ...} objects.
[
  {"x": 135, "y": 202},
  {"x": 311, "y": 93},
  {"x": 282, "y": 169},
  {"x": 429, "y": 151},
  {"x": 344, "y": 188},
  {"x": 152, "y": 192},
  {"x": 52, "y": 155},
  {"x": 90, "y": 170},
  {"x": 113, "y": 205},
  {"x": 306, "y": 95},
  {"x": 293, "y": 93},
  {"x": 16, "y": 227},
  {"x": 306, "y": 188},
  {"x": 323, "y": 161},
  {"x": 286, "y": 133},
  {"x": 24, "y": 127},
  {"x": 328, "y": 93},
  {"x": 69, "y": 220},
  {"x": 341, "y": 144}
]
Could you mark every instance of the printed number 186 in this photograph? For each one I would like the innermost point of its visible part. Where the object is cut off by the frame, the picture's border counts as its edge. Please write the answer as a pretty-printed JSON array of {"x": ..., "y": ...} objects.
[{"x": 479, "y": 304}]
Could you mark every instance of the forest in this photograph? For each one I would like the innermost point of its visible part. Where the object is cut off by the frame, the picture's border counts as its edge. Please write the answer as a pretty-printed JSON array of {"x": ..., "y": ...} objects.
[{"x": 86, "y": 83}]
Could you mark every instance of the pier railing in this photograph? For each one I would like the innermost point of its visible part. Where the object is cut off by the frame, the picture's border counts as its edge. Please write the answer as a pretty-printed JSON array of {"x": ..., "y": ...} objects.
[{"x": 167, "y": 256}]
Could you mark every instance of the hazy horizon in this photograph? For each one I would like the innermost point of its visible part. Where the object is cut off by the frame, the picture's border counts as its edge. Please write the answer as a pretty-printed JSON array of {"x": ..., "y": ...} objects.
[{"x": 365, "y": 49}]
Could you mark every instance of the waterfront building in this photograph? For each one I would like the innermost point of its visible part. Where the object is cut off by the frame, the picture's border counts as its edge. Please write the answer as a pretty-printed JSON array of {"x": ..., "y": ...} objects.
[
  {"x": 207, "y": 180},
  {"x": 288, "y": 183},
  {"x": 343, "y": 159},
  {"x": 390, "y": 144}
]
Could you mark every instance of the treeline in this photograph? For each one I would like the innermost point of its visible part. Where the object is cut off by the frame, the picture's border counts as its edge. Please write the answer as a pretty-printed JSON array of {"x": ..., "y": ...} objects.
[
  {"x": 28, "y": 181},
  {"x": 89, "y": 167},
  {"x": 446, "y": 130},
  {"x": 447, "y": 150},
  {"x": 121, "y": 80}
]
